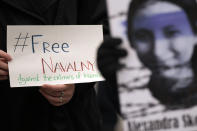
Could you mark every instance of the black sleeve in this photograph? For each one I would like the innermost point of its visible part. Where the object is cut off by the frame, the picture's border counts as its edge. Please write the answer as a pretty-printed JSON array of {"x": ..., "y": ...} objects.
[{"x": 94, "y": 14}]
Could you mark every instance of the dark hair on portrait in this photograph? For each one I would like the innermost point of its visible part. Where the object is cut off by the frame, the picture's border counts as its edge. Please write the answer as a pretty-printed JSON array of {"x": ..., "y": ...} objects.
[{"x": 190, "y": 8}]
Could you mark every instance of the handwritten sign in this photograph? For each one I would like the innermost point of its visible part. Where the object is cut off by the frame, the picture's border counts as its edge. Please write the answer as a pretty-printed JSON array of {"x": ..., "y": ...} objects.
[{"x": 59, "y": 54}]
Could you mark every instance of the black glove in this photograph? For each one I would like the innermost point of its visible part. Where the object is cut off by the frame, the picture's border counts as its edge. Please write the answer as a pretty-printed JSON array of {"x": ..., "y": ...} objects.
[{"x": 108, "y": 56}]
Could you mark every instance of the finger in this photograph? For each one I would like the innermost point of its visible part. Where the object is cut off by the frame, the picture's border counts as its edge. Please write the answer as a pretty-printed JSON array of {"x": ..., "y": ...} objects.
[
  {"x": 50, "y": 91},
  {"x": 108, "y": 62},
  {"x": 3, "y": 59},
  {"x": 68, "y": 96},
  {"x": 63, "y": 90},
  {"x": 3, "y": 73},
  {"x": 55, "y": 90},
  {"x": 53, "y": 100},
  {"x": 116, "y": 53},
  {"x": 109, "y": 71},
  {"x": 58, "y": 87},
  {"x": 68, "y": 86},
  {"x": 3, "y": 77},
  {"x": 57, "y": 104},
  {"x": 5, "y": 55},
  {"x": 3, "y": 65},
  {"x": 69, "y": 89},
  {"x": 50, "y": 98},
  {"x": 111, "y": 42}
]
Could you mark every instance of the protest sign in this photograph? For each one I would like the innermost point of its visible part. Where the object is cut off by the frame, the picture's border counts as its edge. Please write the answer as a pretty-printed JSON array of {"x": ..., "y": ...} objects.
[
  {"x": 58, "y": 54},
  {"x": 157, "y": 86}
]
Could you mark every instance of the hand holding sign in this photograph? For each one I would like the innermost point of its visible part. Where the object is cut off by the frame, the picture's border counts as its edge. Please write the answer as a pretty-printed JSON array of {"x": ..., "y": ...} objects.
[
  {"x": 4, "y": 58},
  {"x": 59, "y": 94}
]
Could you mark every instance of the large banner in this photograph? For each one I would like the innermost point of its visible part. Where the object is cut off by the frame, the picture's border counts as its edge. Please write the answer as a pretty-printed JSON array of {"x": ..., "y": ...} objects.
[
  {"x": 158, "y": 85},
  {"x": 60, "y": 54}
]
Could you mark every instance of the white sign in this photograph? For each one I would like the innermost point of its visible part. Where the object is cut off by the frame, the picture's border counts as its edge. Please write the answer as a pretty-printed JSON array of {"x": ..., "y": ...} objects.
[{"x": 58, "y": 54}]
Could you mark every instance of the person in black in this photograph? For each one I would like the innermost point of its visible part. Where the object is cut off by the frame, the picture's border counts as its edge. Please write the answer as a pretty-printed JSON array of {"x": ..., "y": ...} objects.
[{"x": 39, "y": 108}]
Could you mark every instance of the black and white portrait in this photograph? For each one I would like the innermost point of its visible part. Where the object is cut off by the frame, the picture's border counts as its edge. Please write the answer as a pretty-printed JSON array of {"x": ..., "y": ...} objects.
[
  {"x": 158, "y": 82},
  {"x": 163, "y": 33}
]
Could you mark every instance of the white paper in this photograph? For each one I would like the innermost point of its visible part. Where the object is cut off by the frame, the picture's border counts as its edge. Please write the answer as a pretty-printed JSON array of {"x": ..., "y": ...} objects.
[{"x": 59, "y": 54}]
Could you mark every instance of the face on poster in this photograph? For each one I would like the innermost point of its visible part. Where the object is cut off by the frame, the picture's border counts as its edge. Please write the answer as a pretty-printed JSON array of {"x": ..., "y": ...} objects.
[
  {"x": 160, "y": 92},
  {"x": 53, "y": 54}
]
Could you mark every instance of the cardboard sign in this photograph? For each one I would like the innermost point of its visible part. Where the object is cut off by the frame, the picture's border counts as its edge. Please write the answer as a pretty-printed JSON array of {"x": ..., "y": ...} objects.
[{"x": 58, "y": 54}]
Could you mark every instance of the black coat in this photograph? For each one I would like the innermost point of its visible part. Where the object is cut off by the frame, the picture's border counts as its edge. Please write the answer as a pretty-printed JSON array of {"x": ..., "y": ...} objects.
[{"x": 25, "y": 108}]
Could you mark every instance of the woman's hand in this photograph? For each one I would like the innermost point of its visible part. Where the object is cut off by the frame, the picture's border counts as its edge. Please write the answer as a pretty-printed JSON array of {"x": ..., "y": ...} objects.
[
  {"x": 58, "y": 95},
  {"x": 4, "y": 58}
]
